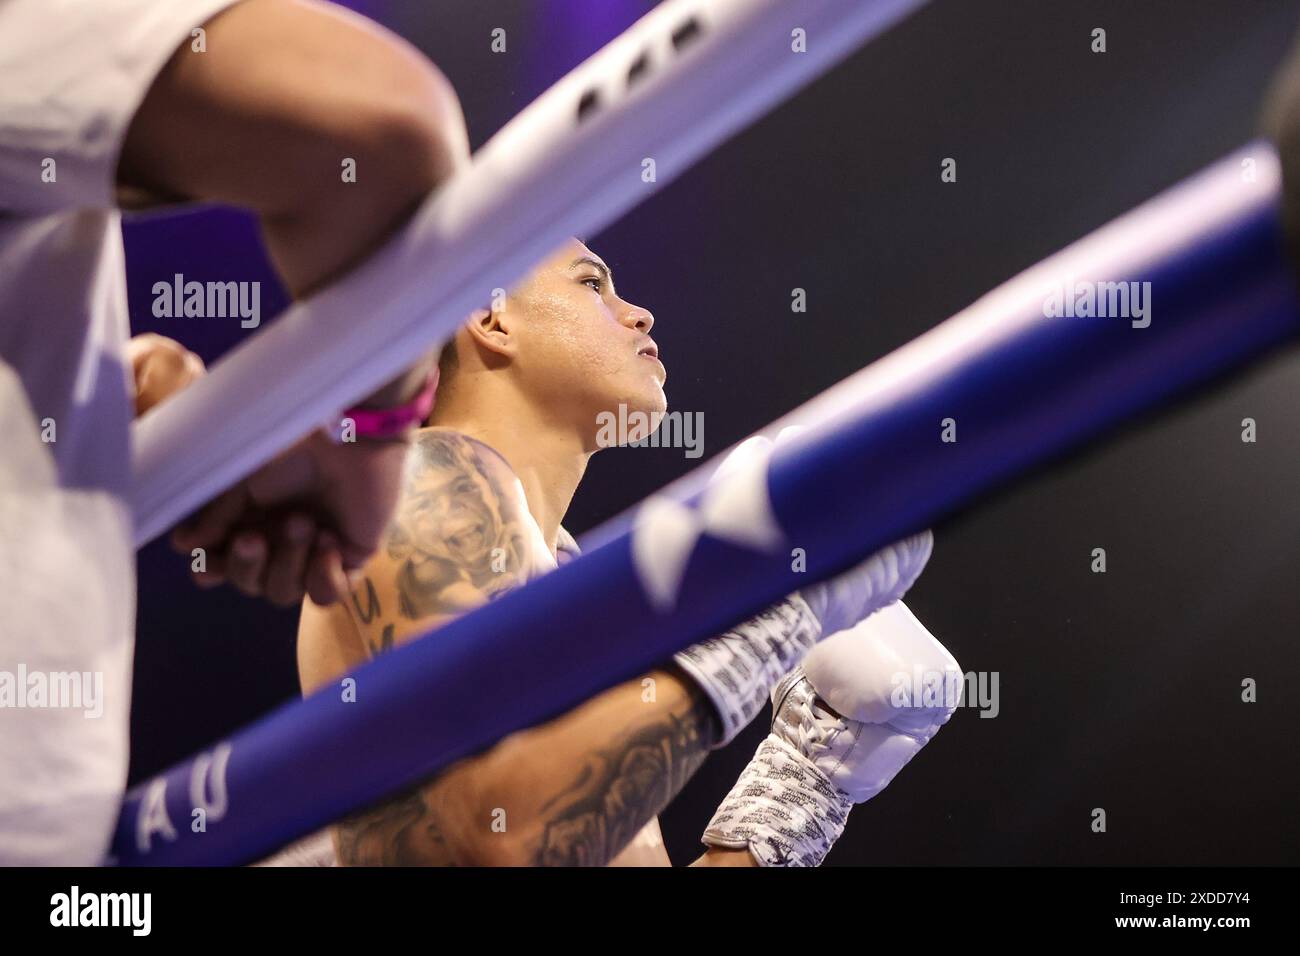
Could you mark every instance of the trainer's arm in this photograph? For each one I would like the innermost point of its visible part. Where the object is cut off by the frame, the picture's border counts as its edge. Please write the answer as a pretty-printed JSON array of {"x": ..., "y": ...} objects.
[
  {"x": 265, "y": 116},
  {"x": 285, "y": 91},
  {"x": 575, "y": 790}
]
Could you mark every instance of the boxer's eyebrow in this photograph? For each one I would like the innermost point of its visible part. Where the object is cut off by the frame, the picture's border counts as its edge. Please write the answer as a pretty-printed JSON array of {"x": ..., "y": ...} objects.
[{"x": 605, "y": 273}]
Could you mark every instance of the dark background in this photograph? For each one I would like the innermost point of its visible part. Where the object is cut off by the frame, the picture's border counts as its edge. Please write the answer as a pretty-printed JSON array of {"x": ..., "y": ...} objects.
[{"x": 1120, "y": 690}]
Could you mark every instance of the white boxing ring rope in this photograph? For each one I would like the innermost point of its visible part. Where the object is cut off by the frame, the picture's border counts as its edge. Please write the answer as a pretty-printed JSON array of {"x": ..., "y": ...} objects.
[{"x": 547, "y": 175}]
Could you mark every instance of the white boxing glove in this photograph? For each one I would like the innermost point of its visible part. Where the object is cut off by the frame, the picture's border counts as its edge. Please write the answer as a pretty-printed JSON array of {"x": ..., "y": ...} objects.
[
  {"x": 851, "y": 596},
  {"x": 891, "y": 682},
  {"x": 738, "y": 668},
  {"x": 844, "y": 724}
]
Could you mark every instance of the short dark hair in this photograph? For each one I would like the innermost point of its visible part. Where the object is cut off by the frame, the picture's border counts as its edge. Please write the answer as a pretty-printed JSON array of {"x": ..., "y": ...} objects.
[{"x": 448, "y": 362}]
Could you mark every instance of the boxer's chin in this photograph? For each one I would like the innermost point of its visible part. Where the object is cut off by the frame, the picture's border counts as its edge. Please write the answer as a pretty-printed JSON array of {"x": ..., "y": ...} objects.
[
  {"x": 645, "y": 393},
  {"x": 655, "y": 401},
  {"x": 630, "y": 417}
]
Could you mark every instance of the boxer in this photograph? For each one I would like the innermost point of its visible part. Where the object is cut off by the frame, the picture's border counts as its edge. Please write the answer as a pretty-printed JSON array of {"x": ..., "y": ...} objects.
[{"x": 485, "y": 489}]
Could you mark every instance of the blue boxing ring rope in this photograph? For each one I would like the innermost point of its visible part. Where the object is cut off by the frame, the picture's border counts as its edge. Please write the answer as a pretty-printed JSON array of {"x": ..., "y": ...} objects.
[{"x": 1021, "y": 388}]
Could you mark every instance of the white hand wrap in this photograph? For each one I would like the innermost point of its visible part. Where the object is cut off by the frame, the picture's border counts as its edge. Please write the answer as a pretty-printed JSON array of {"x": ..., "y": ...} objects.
[
  {"x": 783, "y": 808},
  {"x": 738, "y": 669}
]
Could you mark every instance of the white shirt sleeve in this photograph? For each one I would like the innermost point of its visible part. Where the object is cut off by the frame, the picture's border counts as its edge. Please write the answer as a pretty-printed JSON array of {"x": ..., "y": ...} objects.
[{"x": 72, "y": 75}]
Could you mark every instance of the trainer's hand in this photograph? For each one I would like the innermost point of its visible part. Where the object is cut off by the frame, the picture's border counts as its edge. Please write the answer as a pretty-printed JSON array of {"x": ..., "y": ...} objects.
[
  {"x": 160, "y": 367},
  {"x": 300, "y": 522}
]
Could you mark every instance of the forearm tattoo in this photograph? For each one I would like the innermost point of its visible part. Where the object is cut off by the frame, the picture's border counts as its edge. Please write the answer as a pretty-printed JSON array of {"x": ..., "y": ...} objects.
[
  {"x": 622, "y": 788},
  {"x": 398, "y": 833}
]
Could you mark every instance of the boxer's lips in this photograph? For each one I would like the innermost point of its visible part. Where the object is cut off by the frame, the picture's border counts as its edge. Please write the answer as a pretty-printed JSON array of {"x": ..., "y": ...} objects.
[{"x": 650, "y": 352}]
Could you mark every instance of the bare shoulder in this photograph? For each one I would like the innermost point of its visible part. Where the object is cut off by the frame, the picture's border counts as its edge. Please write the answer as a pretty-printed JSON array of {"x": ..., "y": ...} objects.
[
  {"x": 461, "y": 536},
  {"x": 443, "y": 451},
  {"x": 462, "y": 533}
]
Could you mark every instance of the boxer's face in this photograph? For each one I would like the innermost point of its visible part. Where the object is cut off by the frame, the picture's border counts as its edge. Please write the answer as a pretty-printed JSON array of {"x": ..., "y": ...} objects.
[{"x": 583, "y": 350}]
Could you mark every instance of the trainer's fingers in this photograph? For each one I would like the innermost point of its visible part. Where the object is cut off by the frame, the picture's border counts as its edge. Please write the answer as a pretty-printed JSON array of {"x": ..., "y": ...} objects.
[
  {"x": 208, "y": 579},
  {"x": 289, "y": 475},
  {"x": 209, "y": 572},
  {"x": 246, "y": 563},
  {"x": 354, "y": 556},
  {"x": 326, "y": 580},
  {"x": 288, "y": 563},
  {"x": 212, "y": 524}
]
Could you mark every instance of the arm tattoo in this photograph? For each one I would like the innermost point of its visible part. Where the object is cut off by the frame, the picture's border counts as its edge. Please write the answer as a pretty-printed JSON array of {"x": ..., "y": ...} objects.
[
  {"x": 397, "y": 833},
  {"x": 458, "y": 540},
  {"x": 462, "y": 537},
  {"x": 622, "y": 788},
  {"x": 385, "y": 642},
  {"x": 459, "y": 535},
  {"x": 372, "y": 609}
]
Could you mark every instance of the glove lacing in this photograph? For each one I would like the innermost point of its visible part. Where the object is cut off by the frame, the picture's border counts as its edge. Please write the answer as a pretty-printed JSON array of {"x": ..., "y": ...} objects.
[{"x": 815, "y": 728}]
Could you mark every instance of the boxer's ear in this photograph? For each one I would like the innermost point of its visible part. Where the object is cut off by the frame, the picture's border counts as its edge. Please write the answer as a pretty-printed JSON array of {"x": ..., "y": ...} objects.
[{"x": 491, "y": 331}]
